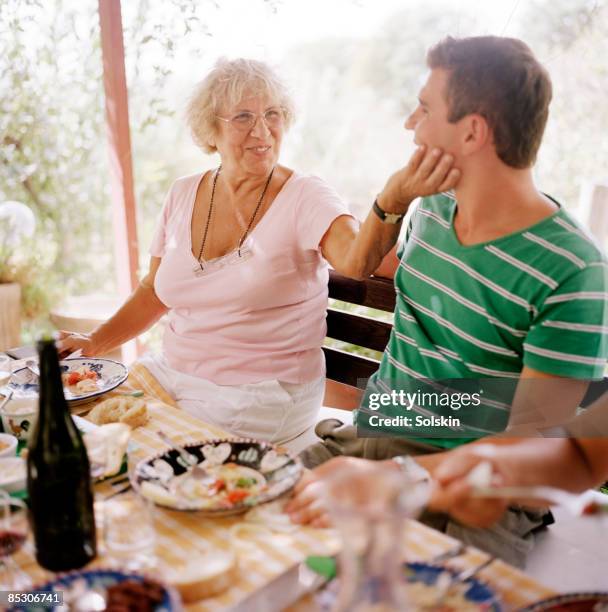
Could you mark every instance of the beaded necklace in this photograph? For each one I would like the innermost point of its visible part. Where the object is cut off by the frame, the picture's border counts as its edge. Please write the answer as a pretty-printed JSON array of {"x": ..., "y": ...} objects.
[{"x": 246, "y": 232}]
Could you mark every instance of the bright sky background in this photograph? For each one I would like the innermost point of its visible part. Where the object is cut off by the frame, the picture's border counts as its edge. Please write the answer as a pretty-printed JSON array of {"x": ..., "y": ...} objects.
[
  {"x": 249, "y": 27},
  {"x": 266, "y": 30}
]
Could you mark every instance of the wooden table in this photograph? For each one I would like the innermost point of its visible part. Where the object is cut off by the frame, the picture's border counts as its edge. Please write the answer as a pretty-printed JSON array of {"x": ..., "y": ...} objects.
[{"x": 263, "y": 556}]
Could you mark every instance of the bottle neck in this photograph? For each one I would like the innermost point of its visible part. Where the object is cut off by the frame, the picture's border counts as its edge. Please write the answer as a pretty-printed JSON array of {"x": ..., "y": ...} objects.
[{"x": 51, "y": 398}]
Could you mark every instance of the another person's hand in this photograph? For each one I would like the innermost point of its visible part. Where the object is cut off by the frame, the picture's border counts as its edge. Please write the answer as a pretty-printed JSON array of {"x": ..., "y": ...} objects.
[
  {"x": 68, "y": 342},
  {"x": 307, "y": 506},
  {"x": 362, "y": 483},
  {"x": 452, "y": 492},
  {"x": 426, "y": 173}
]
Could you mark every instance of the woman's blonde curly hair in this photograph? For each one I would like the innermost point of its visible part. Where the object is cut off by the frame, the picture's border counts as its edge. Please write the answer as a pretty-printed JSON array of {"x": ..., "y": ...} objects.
[{"x": 225, "y": 86}]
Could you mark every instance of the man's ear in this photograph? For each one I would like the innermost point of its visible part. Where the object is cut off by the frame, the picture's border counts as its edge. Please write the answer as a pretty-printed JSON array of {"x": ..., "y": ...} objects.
[{"x": 476, "y": 134}]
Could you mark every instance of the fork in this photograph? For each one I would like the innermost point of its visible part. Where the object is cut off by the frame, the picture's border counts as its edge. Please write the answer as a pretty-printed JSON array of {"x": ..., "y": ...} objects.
[
  {"x": 456, "y": 551},
  {"x": 445, "y": 585},
  {"x": 7, "y": 396},
  {"x": 196, "y": 470}
]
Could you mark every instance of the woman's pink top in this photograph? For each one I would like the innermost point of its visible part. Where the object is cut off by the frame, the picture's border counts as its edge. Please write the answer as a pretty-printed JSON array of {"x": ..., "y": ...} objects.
[{"x": 256, "y": 317}]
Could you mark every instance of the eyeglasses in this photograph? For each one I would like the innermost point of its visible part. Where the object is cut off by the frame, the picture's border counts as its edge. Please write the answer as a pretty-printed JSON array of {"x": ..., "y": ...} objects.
[{"x": 245, "y": 121}]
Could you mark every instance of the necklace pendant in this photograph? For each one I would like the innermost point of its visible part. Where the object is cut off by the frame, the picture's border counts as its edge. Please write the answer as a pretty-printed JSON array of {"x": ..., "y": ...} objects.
[
  {"x": 245, "y": 252},
  {"x": 198, "y": 271}
]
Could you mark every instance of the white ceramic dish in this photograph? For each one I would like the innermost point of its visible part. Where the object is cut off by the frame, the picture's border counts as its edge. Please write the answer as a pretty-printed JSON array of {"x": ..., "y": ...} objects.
[
  {"x": 110, "y": 374},
  {"x": 19, "y": 417},
  {"x": 13, "y": 474},
  {"x": 155, "y": 477},
  {"x": 8, "y": 445}
]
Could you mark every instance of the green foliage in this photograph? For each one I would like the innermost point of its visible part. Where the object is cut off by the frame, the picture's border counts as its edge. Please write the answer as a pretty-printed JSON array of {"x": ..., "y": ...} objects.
[
  {"x": 51, "y": 126},
  {"x": 571, "y": 39},
  {"x": 28, "y": 265},
  {"x": 53, "y": 143}
]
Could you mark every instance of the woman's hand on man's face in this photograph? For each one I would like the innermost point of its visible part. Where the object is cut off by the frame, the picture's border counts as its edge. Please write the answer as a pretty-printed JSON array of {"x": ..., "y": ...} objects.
[{"x": 427, "y": 172}]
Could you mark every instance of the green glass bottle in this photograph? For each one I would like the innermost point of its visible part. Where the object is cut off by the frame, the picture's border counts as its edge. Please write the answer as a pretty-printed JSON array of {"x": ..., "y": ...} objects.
[{"x": 58, "y": 477}]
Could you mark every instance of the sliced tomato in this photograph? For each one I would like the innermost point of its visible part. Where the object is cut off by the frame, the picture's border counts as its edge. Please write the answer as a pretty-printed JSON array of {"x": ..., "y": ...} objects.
[
  {"x": 73, "y": 378},
  {"x": 218, "y": 485},
  {"x": 236, "y": 496}
]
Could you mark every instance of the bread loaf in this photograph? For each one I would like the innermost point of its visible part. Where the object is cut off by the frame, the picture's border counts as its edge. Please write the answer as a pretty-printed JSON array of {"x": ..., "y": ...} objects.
[{"x": 131, "y": 411}]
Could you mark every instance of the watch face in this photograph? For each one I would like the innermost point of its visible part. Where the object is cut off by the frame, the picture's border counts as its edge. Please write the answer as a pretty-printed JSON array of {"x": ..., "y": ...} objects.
[
  {"x": 392, "y": 218},
  {"x": 386, "y": 217}
]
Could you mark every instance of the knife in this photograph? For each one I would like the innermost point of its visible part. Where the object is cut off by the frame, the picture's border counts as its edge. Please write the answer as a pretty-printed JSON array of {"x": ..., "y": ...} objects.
[{"x": 289, "y": 587}]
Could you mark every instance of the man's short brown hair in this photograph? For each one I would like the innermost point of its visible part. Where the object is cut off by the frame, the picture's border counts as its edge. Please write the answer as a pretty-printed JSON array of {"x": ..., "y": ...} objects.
[{"x": 501, "y": 80}]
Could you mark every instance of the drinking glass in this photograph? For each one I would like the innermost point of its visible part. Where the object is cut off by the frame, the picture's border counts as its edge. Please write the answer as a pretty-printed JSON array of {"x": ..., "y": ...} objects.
[
  {"x": 370, "y": 515},
  {"x": 13, "y": 534},
  {"x": 128, "y": 533},
  {"x": 6, "y": 369}
]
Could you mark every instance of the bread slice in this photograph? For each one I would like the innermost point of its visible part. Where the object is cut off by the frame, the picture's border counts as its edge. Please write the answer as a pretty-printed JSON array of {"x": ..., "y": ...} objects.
[{"x": 203, "y": 576}]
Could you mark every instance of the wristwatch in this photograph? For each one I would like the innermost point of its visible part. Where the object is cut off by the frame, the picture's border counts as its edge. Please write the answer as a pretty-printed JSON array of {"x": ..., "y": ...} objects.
[
  {"x": 413, "y": 471},
  {"x": 387, "y": 217}
]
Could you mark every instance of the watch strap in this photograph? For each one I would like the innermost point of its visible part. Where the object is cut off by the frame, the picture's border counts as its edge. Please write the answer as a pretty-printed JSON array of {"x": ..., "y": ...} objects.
[{"x": 387, "y": 217}]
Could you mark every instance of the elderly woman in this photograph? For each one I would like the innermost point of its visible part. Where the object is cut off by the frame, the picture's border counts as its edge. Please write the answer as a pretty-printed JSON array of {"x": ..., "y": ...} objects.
[{"x": 238, "y": 265}]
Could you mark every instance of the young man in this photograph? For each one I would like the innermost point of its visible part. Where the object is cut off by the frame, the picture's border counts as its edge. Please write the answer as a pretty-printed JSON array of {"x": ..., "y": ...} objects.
[{"x": 493, "y": 280}]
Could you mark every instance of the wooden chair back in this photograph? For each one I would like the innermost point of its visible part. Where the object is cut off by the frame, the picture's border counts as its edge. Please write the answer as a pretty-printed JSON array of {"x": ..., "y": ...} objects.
[{"x": 347, "y": 372}]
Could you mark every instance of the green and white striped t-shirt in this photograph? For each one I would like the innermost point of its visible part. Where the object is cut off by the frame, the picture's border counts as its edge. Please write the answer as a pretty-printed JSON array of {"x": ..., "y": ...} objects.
[{"x": 535, "y": 298}]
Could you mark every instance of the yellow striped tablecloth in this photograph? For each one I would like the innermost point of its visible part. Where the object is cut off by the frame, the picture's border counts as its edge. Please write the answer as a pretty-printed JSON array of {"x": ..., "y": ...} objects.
[{"x": 262, "y": 556}]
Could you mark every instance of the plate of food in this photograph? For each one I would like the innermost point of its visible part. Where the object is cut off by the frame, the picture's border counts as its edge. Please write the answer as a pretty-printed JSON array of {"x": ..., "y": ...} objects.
[
  {"x": 84, "y": 379},
  {"x": 572, "y": 602},
  {"x": 426, "y": 590},
  {"x": 103, "y": 589},
  {"x": 239, "y": 474}
]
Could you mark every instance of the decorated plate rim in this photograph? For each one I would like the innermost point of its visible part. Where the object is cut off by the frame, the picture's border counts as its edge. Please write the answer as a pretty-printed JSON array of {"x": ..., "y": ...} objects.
[
  {"x": 494, "y": 603},
  {"x": 238, "y": 508},
  {"x": 85, "y": 397}
]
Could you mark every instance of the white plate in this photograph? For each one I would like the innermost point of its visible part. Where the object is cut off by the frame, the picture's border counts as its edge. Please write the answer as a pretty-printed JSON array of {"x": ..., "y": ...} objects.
[
  {"x": 111, "y": 374},
  {"x": 11, "y": 442}
]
